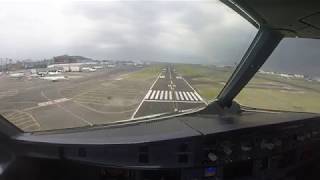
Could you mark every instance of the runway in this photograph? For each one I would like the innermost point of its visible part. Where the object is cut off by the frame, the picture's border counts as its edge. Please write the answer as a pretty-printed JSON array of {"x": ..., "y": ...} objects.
[
  {"x": 170, "y": 93},
  {"x": 95, "y": 98}
]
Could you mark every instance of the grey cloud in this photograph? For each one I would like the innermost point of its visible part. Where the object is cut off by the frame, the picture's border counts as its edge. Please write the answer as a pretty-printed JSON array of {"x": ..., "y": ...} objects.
[
  {"x": 295, "y": 55},
  {"x": 193, "y": 32},
  {"x": 143, "y": 22}
]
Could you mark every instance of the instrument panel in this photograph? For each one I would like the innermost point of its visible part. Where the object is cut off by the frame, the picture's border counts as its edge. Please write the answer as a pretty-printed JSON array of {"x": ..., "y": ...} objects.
[{"x": 269, "y": 150}]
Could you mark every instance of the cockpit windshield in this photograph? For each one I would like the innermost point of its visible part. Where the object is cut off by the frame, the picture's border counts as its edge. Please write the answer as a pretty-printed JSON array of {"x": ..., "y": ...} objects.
[{"x": 77, "y": 64}]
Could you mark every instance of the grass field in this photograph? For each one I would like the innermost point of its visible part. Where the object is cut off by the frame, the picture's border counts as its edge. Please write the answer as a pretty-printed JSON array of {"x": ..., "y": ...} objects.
[
  {"x": 146, "y": 73},
  {"x": 263, "y": 91},
  {"x": 208, "y": 80}
]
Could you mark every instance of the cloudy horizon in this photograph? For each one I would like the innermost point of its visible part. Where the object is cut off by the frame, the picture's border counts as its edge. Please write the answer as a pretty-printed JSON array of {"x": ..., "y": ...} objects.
[
  {"x": 194, "y": 32},
  {"x": 205, "y": 32}
]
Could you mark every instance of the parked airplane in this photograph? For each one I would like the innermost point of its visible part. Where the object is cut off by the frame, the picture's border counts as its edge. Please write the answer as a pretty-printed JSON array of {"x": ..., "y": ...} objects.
[
  {"x": 54, "y": 78},
  {"x": 16, "y": 75},
  {"x": 54, "y": 72},
  {"x": 88, "y": 69}
]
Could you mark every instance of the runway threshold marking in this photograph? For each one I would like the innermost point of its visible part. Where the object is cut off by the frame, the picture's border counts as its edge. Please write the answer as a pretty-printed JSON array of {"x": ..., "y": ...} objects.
[
  {"x": 157, "y": 94},
  {"x": 173, "y": 101},
  {"x": 185, "y": 96},
  {"x": 177, "y": 95},
  {"x": 195, "y": 92},
  {"x": 181, "y": 95},
  {"x": 194, "y": 96},
  {"x": 152, "y": 95},
  {"x": 170, "y": 95},
  {"x": 189, "y": 95},
  {"x": 135, "y": 112},
  {"x": 167, "y": 95},
  {"x": 161, "y": 95},
  {"x": 148, "y": 94}
]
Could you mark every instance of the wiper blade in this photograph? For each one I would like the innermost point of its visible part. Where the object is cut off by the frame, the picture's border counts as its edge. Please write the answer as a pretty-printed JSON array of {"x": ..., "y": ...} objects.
[{"x": 246, "y": 108}]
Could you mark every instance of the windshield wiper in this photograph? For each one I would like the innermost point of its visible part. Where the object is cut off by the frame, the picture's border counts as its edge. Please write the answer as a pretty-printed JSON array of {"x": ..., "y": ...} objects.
[{"x": 247, "y": 108}]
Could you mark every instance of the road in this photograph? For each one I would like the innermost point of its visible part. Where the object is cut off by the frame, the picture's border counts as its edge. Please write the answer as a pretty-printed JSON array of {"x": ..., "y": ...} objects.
[{"x": 170, "y": 93}]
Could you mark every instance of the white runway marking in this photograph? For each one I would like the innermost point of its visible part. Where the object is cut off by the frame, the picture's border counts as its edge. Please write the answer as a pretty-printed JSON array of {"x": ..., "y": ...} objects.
[
  {"x": 148, "y": 94},
  {"x": 168, "y": 95},
  {"x": 132, "y": 116},
  {"x": 161, "y": 95},
  {"x": 177, "y": 96},
  {"x": 199, "y": 97},
  {"x": 194, "y": 96},
  {"x": 181, "y": 96},
  {"x": 152, "y": 95},
  {"x": 171, "y": 101},
  {"x": 8, "y": 93},
  {"x": 157, "y": 95},
  {"x": 53, "y": 102},
  {"x": 189, "y": 95},
  {"x": 185, "y": 96}
]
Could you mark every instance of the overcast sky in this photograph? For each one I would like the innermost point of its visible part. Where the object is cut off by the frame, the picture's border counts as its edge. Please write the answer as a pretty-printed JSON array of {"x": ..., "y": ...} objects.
[
  {"x": 198, "y": 32},
  {"x": 179, "y": 31}
]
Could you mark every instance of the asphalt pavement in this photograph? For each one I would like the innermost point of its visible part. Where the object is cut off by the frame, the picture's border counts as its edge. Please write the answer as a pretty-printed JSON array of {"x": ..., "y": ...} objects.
[
  {"x": 170, "y": 93},
  {"x": 36, "y": 104}
]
